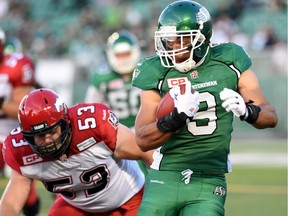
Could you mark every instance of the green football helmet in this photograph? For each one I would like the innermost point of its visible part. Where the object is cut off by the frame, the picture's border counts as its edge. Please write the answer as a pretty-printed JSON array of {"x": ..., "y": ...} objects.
[
  {"x": 13, "y": 44},
  {"x": 123, "y": 52},
  {"x": 182, "y": 21}
]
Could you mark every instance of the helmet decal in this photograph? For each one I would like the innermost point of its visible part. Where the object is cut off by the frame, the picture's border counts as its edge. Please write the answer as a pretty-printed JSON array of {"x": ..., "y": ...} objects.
[
  {"x": 168, "y": 29},
  {"x": 202, "y": 16},
  {"x": 39, "y": 127},
  {"x": 58, "y": 104}
]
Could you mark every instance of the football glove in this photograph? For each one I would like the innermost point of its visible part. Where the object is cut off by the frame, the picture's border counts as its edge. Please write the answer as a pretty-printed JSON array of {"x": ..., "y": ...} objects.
[
  {"x": 233, "y": 102},
  {"x": 186, "y": 105}
]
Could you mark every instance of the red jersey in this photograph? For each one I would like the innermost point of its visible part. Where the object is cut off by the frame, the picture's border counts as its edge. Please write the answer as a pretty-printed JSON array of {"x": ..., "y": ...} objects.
[
  {"x": 16, "y": 70},
  {"x": 90, "y": 179}
]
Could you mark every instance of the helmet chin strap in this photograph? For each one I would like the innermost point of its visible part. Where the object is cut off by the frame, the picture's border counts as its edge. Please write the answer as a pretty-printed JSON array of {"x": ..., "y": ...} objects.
[
  {"x": 186, "y": 66},
  {"x": 190, "y": 63}
]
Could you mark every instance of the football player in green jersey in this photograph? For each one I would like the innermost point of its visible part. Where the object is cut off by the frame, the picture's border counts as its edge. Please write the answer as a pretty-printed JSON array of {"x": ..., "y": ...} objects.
[
  {"x": 112, "y": 84},
  {"x": 192, "y": 143}
]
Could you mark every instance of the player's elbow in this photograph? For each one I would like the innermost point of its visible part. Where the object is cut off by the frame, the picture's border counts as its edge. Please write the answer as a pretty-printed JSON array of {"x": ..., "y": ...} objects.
[
  {"x": 274, "y": 122},
  {"x": 269, "y": 122},
  {"x": 142, "y": 144}
]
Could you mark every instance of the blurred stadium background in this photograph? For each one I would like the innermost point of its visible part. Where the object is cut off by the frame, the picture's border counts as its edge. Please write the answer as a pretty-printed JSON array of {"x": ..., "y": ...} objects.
[{"x": 67, "y": 39}]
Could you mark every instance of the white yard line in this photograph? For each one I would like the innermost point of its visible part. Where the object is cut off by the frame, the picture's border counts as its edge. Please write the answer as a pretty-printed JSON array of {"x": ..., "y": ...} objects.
[
  {"x": 257, "y": 189},
  {"x": 259, "y": 159}
]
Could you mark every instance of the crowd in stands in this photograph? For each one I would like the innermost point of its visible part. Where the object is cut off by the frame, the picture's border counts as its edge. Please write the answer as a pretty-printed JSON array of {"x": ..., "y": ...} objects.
[{"x": 52, "y": 28}]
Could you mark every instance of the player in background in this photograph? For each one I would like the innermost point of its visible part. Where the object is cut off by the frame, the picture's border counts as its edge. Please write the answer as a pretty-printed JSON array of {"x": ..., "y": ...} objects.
[
  {"x": 16, "y": 80},
  {"x": 187, "y": 176},
  {"x": 12, "y": 45},
  {"x": 82, "y": 153},
  {"x": 112, "y": 84}
]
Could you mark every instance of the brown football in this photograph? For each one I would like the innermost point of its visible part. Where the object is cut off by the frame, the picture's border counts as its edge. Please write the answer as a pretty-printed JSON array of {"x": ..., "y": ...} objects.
[{"x": 166, "y": 104}]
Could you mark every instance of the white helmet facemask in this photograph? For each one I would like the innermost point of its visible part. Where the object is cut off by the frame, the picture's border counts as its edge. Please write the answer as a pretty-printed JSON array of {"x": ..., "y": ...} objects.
[
  {"x": 168, "y": 56},
  {"x": 123, "y": 65}
]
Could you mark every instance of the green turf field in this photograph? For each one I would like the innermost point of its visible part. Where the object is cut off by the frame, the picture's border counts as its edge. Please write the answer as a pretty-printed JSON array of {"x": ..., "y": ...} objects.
[{"x": 253, "y": 189}]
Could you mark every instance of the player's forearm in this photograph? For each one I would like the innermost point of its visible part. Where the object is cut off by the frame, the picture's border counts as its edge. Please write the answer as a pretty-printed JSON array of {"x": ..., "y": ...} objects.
[
  {"x": 8, "y": 205},
  {"x": 147, "y": 158},
  {"x": 149, "y": 137},
  {"x": 7, "y": 210},
  {"x": 267, "y": 117}
]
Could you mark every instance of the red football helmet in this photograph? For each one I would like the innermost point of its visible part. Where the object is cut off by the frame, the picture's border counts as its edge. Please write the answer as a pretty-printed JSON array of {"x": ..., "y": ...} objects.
[{"x": 39, "y": 112}]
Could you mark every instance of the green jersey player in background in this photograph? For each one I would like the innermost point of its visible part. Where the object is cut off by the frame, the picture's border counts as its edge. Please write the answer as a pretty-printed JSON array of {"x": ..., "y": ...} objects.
[
  {"x": 112, "y": 84},
  {"x": 192, "y": 143}
]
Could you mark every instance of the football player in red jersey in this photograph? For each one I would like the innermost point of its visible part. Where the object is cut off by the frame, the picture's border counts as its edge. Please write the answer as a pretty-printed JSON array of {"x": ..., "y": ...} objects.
[
  {"x": 82, "y": 153},
  {"x": 16, "y": 80}
]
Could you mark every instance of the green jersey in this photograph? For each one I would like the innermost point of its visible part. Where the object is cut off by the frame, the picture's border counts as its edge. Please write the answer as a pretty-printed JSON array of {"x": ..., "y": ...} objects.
[
  {"x": 118, "y": 94},
  {"x": 204, "y": 144}
]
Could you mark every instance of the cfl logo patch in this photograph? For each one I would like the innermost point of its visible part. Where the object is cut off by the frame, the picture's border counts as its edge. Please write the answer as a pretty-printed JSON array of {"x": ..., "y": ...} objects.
[
  {"x": 176, "y": 81},
  {"x": 220, "y": 191},
  {"x": 31, "y": 159}
]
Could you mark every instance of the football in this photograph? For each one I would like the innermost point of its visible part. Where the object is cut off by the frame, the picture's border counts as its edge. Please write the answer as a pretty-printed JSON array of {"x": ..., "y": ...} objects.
[{"x": 166, "y": 104}]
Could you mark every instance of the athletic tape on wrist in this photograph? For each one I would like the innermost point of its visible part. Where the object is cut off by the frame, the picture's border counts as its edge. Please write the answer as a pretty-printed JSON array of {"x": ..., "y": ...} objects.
[
  {"x": 251, "y": 114},
  {"x": 171, "y": 122}
]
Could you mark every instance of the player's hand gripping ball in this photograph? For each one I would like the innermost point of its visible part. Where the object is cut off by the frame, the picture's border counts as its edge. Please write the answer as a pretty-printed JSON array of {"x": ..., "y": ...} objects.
[{"x": 166, "y": 104}]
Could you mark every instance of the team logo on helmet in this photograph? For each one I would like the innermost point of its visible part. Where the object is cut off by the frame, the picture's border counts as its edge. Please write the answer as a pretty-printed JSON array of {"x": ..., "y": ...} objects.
[
  {"x": 202, "y": 16},
  {"x": 58, "y": 104}
]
